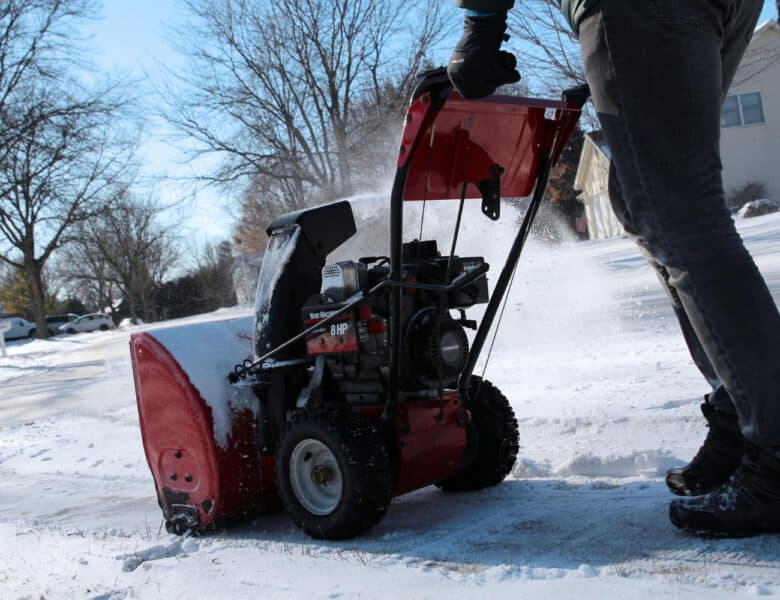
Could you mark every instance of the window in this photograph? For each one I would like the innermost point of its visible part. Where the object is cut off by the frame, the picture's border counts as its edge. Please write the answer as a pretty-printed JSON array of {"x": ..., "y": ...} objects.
[
  {"x": 752, "y": 110},
  {"x": 742, "y": 109}
]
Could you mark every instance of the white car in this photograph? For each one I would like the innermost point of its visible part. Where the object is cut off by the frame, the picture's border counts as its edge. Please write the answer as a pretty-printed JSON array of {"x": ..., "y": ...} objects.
[
  {"x": 88, "y": 323},
  {"x": 19, "y": 328}
]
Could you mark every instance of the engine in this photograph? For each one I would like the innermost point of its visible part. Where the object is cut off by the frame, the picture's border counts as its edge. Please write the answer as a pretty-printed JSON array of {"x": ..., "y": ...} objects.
[{"x": 354, "y": 345}]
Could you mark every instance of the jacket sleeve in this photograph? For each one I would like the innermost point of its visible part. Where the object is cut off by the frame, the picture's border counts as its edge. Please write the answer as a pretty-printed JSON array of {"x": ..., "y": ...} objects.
[{"x": 485, "y": 4}]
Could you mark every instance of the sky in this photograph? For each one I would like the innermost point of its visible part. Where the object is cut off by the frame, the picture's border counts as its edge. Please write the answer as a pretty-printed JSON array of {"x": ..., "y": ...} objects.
[{"x": 135, "y": 38}]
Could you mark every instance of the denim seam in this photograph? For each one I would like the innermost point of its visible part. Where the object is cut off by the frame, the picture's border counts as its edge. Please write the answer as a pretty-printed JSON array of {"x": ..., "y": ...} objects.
[
  {"x": 740, "y": 389},
  {"x": 678, "y": 20}
]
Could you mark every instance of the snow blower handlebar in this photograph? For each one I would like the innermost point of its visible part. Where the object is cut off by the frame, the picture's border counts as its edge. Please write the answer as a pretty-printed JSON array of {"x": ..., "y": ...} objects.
[
  {"x": 451, "y": 148},
  {"x": 489, "y": 148}
]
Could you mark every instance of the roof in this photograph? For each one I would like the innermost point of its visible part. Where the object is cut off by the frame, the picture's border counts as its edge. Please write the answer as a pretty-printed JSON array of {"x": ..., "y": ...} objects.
[
  {"x": 767, "y": 26},
  {"x": 598, "y": 137}
]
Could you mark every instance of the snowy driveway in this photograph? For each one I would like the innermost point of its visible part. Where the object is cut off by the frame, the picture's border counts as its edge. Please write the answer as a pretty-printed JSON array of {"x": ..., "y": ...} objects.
[{"x": 607, "y": 400}]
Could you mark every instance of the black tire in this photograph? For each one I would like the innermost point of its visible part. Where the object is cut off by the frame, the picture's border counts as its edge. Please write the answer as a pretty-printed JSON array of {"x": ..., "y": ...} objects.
[
  {"x": 71, "y": 331},
  {"x": 32, "y": 333},
  {"x": 496, "y": 437},
  {"x": 104, "y": 327},
  {"x": 365, "y": 472}
]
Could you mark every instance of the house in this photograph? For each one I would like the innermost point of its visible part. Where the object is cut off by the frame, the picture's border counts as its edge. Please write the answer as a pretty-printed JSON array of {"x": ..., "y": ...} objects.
[
  {"x": 592, "y": 178},
  {"x": 750, "y": 136},
  {"x": 750, "y": 117}
]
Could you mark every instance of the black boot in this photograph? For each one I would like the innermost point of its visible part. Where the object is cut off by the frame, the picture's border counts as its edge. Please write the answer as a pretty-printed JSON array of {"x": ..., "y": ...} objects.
[
  {"x": 747, "y": 504},
  {"x": 718, "y": 457}
]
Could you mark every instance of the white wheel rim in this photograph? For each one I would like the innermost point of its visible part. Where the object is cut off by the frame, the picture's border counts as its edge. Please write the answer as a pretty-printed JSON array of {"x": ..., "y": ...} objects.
[{"x": 315, "y": 477}]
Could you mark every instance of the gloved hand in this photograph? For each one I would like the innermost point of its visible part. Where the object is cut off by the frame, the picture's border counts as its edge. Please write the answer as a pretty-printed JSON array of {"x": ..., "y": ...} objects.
[{"x": 478, "y": 65}]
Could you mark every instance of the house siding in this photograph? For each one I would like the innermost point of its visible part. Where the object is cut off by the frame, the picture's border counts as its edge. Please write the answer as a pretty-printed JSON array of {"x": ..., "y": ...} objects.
[
  {"x": 751, "y": 153},
  {"x": 593, "y": 180}
]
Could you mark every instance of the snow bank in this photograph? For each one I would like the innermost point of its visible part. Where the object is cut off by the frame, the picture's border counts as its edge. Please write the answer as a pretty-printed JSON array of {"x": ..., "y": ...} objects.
[{"x": 647, "y": 464}]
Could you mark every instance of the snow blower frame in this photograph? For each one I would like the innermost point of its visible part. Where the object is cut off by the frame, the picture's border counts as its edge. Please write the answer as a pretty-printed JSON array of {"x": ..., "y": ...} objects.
[{"x": 361, "y": 384}]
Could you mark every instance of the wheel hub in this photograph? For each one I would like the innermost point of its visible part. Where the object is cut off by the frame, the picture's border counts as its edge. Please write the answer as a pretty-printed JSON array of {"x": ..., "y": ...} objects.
[
  {"x": 321, "y": 475},
  {"x": 315, "y": 477}
]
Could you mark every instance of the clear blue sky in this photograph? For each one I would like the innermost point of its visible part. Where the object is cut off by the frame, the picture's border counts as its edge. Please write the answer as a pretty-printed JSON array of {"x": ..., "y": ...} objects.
[{"x": 133, "y": 37}]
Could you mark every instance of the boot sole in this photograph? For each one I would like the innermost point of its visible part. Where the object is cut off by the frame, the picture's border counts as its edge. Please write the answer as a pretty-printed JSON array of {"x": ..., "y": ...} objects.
[{"x": 676, "y": 516}]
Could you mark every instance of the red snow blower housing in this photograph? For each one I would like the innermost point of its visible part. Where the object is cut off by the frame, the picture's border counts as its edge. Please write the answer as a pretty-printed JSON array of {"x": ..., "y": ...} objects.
[{"x": 358, "y": 386}]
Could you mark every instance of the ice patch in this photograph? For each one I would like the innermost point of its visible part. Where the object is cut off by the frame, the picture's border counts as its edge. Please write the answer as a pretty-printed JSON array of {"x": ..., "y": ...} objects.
[
  {"x": 760, "y": 590},
  {"x": 177, "y": 548},
  {"x": 646, "y": 463}
]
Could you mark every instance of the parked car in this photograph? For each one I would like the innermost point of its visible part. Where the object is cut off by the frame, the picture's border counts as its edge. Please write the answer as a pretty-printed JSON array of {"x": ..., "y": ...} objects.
[
  {"x": 54, "y": 322},
  {"x": 20, "y": 328},
  {"x": 757, "y": 208},
  {"x": 88, "y": 323}
]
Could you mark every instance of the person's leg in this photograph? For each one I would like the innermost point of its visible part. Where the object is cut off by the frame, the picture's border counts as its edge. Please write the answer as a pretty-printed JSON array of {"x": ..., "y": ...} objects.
[
  {"x": 723, "y": 447},
  {"x": 656, "y": 70},
  {"x": 719, "y": 398},
  {"x": 656, "y": 81}
]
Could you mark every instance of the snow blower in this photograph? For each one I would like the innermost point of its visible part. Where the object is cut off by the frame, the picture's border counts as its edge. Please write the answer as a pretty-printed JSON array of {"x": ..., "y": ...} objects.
[{"x": 354, "y": 383}]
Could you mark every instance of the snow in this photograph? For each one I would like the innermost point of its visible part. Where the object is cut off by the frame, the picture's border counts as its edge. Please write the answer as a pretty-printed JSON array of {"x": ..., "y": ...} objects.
[
  {"x": 606, "y": 397},
  {"x": 193, "y": 346},
  {"x": 281, "y": 248}
]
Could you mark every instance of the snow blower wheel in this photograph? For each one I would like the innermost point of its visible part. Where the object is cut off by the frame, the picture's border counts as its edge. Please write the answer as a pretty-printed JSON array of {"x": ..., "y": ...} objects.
[
  {"x": 334, "y": 475},
  {"x": 496, "y": 439}
]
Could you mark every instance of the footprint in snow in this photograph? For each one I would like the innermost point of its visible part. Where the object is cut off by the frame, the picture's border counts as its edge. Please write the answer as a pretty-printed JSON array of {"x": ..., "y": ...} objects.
[
  {"x": 97, "y": 463},
  {"x": 39, "y": 453}
]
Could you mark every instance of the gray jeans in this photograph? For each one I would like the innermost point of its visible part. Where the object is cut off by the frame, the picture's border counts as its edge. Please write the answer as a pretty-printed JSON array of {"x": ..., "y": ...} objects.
[{"x": 658, "y": 72}]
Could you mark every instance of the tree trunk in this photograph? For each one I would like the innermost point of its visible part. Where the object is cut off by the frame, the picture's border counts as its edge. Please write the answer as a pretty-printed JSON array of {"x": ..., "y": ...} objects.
[
  {"x": 133, "y": 308},
  {"x": 37, "y": 293}
]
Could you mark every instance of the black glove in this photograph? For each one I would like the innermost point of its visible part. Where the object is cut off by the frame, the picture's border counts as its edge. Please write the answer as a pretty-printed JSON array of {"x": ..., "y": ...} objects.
[{"x": 478, "y": 65}]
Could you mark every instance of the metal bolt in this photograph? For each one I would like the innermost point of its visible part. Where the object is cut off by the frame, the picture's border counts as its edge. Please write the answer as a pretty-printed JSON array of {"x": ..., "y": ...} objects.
[
  {"x": 321, "y": 475},
  {"x": 177, "y": 454},
  {"x": 173, "y": 476},
  {"x": 188, "y": 477}
]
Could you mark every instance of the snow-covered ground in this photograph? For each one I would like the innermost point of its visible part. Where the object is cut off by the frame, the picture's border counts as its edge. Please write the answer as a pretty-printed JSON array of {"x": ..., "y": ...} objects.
[{"x": 606, "y": 396}]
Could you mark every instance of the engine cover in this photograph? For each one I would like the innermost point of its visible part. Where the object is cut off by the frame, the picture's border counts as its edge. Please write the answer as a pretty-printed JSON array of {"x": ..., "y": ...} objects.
[
  {"x": 437, "y": 345},
  {"x": 343, "y": 279}
]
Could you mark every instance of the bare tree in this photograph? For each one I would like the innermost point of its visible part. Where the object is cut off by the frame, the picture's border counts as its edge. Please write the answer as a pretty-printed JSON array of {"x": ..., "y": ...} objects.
[
  {"x": 84, "y": 273},
  {"x": 36, "y": 46},
  {"x": 56, "y": 174},
  {"x": 551, "y": 59},
  {"x": 131, "y": 250},
  {"x": 60, "y": 149},
  {"x": 274, "y": 87}
]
